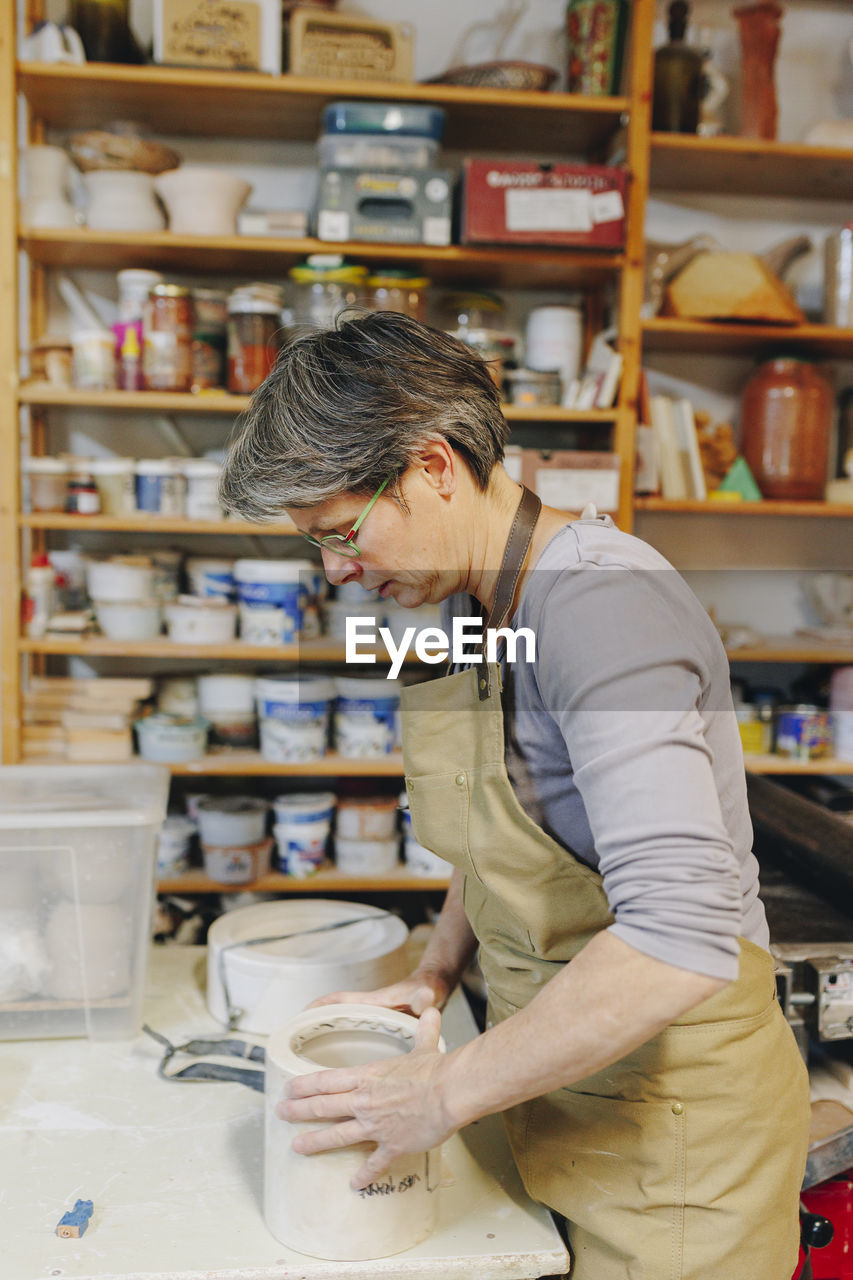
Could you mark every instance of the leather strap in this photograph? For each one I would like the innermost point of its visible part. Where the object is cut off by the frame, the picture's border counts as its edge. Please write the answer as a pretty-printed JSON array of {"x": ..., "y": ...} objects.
[{"x": 515, "y": 553}]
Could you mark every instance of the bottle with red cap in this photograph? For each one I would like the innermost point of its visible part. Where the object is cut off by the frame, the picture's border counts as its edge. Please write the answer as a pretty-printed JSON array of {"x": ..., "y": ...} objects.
[{"x": 39, "y": 596}]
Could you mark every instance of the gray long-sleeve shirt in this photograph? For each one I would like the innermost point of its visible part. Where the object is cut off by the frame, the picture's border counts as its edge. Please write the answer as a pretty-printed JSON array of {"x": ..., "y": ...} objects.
[{"x": 624, "y": 745}]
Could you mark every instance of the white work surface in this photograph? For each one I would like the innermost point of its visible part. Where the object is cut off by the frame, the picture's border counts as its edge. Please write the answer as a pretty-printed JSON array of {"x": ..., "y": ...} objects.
[{"x": 176, "y": 1170}]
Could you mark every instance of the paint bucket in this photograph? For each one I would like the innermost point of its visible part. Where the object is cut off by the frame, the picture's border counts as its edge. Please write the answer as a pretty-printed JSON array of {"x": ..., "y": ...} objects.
[
  {"x": 202, "y": 477},
  {"x": 207, "y": 577},
  {"x": 171, "y": 739},
  {"x": 262, "y": 625},
  {"x": 294, "y": 717},
  {"x": 178, "y": 696},
  {"x": 366, "y": 717},
  {"x": 336, "y": 612},
  {"x": 367, "y": 818},
  {"x": 367, "y": 857},
  {"x": 129, "y": 619},
  {"x": 173, "y": 845},
  {"x": 276, "y": 584},
  {"x": 309, "y": 1204},
  {"x": 237, "y": 864},
  {"x": 228, "y": 702},
  {"x": 160, "y": 486},
  {"x": 232, "y": 820},
  {"x": 302, "y": 827},
  {"x": 120, "y": 578}
]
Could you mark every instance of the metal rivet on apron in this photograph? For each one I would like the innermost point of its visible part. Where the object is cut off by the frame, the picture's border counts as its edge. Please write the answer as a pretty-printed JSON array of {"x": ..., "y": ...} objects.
[
  {"x": 460, "y": 779},
  {"x": 677, "y": 1108},
  {"x": 410, "y": 785},
  {"x": 482, "y": 684}
]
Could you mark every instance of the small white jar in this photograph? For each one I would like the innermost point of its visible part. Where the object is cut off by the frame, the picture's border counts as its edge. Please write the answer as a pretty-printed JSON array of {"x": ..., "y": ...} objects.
[
  {"x": 129, "y": 620},
  {"x": 115, "y": 481},
  {"x": 120, "y": 578},
  {"x": 196, "y": 620},
  {"x": 160, "y": 486},
  {"x": 171, "y": 739},
  {"x": 202, "y": 498},
  {"x": 366, "y": 857}
]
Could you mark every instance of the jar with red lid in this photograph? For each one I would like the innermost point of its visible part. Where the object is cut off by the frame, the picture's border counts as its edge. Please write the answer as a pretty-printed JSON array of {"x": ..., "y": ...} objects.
[
  {"x": 167, "y": 338},
  {"x": 786, "y": 429},
  {"x": 254, "y": 336}
]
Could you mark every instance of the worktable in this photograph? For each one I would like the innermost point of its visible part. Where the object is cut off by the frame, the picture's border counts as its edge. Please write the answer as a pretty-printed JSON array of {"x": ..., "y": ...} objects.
[{"x": 176, "y": 1170}]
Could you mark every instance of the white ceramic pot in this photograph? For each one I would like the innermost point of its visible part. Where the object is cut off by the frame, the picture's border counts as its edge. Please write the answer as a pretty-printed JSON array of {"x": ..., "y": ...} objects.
[
  {"x": 366, "y": 857},
  {"x": 118, "y": 578},
  {"x": 48, "y": 173},
  {"x": 171, "y": 739},
  {"x": 272, "y": 981},
  {"x": 232, "y": 820},
  {"x": 122, "y": 200},
  {"x": 201, "y": 620},
  {"x": 202, "y": 202},
  {"x": 309, "y": 1204}
]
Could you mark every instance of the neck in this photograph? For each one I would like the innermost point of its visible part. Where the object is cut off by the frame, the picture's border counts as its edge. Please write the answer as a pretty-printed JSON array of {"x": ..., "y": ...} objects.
[{"x": 492, "y": 517}]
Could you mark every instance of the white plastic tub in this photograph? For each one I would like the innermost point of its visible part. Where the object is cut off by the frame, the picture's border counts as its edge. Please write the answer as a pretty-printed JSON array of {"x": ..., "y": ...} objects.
[
  {"x": 120, "y": 578},
  {"x": 336, "y": 612},
  {"x": 77, "y": 858},
  {"x": 201, "y": 620},
  {"x": 173, "y": 846},
  {"x": 367, "y": 818},
  {"x": 171, "y": 739},
  {"x": 210, "y": 577},
  {"x": 366, "y": 857},
  {"x": 232, "y": 820},
  {"x": 129, "y": 619},
  {"x": 366, "y": 717},
  {"x": 294, "y": 716},
  {"x": 228, "y": 703},
  {"x": 279, "y": 584},
  {"x": 302, "y": 828},
  {"x": 202, "y": 500},
  {"x": 237, "y": 864},
  {"x": 262, "y": 625}
]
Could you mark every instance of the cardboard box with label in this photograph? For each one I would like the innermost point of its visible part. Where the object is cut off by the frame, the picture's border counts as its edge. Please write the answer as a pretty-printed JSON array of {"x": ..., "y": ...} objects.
[
  {"x": 232, "y": 35},
  {"x": 521, "y": 202},
  {"x": 570, "y": 478},
  {"x": 347, "y": 46},
  {"x": 410, "y": 207}
]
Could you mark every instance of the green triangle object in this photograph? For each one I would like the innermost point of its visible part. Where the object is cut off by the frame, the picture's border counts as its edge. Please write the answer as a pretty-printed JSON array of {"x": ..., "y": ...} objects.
[{"x": 739, "y": 479}]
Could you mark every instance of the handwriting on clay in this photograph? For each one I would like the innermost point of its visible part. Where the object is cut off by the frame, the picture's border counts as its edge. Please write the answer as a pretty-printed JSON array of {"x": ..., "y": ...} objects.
[{"x": 390, "y": 1187}]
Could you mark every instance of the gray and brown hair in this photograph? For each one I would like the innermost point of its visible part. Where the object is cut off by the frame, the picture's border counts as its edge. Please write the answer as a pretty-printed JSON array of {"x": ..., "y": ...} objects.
[{"x": 345, "y": 408}]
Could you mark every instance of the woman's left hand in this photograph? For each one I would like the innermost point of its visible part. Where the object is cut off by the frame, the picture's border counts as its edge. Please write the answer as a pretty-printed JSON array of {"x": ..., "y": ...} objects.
[{"x": 398, "y": 1103}]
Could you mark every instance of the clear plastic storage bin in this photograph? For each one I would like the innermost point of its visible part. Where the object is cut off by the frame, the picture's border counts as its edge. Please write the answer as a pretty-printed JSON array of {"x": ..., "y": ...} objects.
[{"x": 77, "y": 865}]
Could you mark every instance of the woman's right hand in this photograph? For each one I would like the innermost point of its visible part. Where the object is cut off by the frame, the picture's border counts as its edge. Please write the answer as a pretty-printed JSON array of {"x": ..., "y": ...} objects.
[{"x": 423, "y": 989}]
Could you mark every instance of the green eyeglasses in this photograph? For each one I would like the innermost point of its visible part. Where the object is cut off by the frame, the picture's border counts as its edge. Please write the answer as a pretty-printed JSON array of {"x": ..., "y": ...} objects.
[{"x": 342, "y": 544}]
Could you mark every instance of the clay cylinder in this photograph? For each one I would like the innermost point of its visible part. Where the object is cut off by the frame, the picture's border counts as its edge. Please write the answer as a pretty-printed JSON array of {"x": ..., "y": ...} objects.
[{"x": 309, "y": 1204}]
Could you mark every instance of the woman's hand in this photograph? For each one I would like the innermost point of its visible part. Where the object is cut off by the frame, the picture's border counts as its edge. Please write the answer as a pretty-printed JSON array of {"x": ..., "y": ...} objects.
[
  {"x": 424, "y": 989},
  {"x": 398, "y": 1103}
]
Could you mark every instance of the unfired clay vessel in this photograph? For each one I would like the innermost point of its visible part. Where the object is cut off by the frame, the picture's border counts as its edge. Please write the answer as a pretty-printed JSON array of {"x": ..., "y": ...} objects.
[{"x": 202, "y": 202}]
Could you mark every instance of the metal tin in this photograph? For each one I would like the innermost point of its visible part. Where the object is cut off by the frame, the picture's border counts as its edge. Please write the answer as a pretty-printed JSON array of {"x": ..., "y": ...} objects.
[
  {"x": 167, "y": 338},
  {"x": 803, "y": 732}
]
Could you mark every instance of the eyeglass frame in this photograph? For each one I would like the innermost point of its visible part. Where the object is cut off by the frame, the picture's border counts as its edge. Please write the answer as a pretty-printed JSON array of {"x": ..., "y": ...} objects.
[{"x": 346, "y": 540}]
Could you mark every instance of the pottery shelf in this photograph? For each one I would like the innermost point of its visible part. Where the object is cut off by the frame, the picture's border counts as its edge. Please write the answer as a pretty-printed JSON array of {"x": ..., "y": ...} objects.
[
  {"x": 792, "y": 649},
  {"x": 769, "y": 764},
  {"x": 150, "y": 523},
  {"x": 540, "y": 268},
  {"x": 767, "y": 507},
  {"x": 748, "y": 166},
  {"x": 174, "y": 100},
  {"x": 227, "y": 763},
  {"x": 43, "y": 395},
  {"x": 327, "y": 880},
  {"x": 326, "y": 651},
  {"x": 752, "y": 341}
]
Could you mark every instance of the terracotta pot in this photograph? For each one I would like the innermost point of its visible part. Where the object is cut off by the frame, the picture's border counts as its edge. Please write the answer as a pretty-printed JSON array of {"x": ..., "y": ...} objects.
[
  {"x": 760, "y": 28},
  {"x": 786, "y": 429}
]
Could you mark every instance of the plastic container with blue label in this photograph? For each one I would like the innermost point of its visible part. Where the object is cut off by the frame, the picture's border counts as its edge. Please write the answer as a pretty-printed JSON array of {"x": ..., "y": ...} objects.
[
  {"x": 294, "y": 717},
  {"x": 366, "y": 717},
  {"x": 388, "y": 118},
  {"x": 276, "y": 584},
  {"x": 302, "y": 828}
]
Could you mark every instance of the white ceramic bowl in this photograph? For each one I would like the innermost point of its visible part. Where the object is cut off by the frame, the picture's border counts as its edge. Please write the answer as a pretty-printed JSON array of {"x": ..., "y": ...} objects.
[{"x": 129, "y": 619}]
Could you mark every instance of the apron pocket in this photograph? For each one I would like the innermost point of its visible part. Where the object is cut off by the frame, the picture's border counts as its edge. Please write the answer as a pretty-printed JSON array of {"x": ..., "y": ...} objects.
[
  {"x": 615, "y": 1170},
  {"x": 439, "y": 805}
]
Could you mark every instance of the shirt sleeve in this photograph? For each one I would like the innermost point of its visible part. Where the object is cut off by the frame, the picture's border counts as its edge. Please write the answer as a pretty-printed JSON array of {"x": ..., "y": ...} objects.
[{"x": 621, "y": 671}]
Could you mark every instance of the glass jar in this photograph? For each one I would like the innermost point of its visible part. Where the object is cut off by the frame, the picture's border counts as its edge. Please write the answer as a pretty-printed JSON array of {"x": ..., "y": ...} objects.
[
  {"x": 210, "y": 324},
  {"x": 786, "y": 429},
  {"x": 392, "y": 290},
  {"x": 48, "y": 479},
  {"x": 326, "y": 285},
  {"x": 167, "y": 331},
  {"x": 254, "y": 334}
]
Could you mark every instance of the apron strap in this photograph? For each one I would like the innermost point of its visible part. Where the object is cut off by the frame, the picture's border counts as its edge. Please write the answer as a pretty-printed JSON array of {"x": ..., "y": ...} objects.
[{"x": 517, "y": 547}]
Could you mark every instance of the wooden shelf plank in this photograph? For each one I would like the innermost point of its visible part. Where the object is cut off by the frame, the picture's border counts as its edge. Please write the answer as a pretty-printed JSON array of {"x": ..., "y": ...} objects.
[
  {"x": 251, "y": 764},
  {"x": 198, "y": 255},
  {"x": 46, "y": 395},
  {"x": 792, "y": 649},
  {"x": 327, "y": 880},
  {"x": 324, "y": 650},
  {"x": 783, "y": 765},
  {"x": 664, "y": 334},
  {"x": 830, "y": 510},
  {"x": 148, "y": 523},
  {"x": 251, "y": 105},
  {"x": 746, "y": 166}
]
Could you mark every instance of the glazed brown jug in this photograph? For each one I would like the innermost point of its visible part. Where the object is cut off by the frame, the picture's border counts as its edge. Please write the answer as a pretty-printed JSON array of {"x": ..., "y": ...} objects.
[{"x": 786, "y": 428}]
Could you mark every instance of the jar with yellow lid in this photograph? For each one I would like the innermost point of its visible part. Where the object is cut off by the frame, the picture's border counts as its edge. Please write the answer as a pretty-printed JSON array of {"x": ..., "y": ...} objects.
[
  {"x": 390, "y": 289},
  {"x": 325, "y": 285}
]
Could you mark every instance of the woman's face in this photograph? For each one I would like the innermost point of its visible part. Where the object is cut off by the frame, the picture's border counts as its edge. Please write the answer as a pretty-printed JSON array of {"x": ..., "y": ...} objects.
[{"x": 404, "y": 554}]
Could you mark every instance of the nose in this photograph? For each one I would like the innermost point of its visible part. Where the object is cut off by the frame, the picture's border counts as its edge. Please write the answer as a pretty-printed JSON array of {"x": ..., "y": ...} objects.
[{"x": 340, "y": 569}]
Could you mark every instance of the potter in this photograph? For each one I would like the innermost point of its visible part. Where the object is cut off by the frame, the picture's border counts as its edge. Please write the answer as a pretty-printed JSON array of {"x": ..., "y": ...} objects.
[
  {"x": 432, "y": 644},
  {"x": 593, "y": 805}
]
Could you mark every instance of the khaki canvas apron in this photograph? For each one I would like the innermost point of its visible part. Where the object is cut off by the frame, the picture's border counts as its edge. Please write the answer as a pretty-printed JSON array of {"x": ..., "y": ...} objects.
[{"x": 682, "y": 1161}]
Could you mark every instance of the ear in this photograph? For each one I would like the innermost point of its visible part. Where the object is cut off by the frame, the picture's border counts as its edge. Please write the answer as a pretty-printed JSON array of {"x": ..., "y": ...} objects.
[{"x": 437, "y": 464}]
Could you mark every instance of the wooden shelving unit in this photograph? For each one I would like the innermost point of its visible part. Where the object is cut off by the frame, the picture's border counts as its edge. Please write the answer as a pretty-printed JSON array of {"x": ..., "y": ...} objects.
[
  {"x": 697, "y": 337},
  {"x": 682, "y": 162},
  {"x": 249, "y": 764},
  {"x": 821, "y": 510},
  {"x": 826, "y": 767},
  {"x": 326, "y": 651},
  {"x": 148, "y": 523},
  {"x": 326, "y": 880}
]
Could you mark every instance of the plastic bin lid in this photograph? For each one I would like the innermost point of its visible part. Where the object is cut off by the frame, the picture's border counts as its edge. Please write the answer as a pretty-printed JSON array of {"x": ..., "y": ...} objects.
[
  {"x": 384, "y": 117},
  {"x": 34, "y": 796}
]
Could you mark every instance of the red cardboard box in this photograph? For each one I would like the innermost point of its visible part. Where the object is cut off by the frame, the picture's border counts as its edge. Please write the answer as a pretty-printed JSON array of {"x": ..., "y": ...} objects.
[{"x": 520, "y": 202}]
